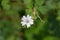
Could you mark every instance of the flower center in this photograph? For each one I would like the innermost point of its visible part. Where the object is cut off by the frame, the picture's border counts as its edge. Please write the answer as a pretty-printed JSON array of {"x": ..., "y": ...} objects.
[{"x": 27, "y": 21}]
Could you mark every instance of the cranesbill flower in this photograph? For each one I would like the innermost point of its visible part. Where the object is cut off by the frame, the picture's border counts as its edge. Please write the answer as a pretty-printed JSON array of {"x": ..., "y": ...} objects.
[{"x": 27, "y": 20}]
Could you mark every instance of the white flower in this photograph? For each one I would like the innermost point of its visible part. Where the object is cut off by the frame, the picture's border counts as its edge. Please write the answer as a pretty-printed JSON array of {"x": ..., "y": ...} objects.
[{"x": 27, "y": 20}]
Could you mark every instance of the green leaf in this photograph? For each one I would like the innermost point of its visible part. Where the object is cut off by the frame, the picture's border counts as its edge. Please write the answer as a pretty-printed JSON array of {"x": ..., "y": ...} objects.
[
  {"x": 43, "y": 9},
  {"x": 28, "y": 3},
  {"x": 58, "y": 17},
  {"x": 1, "y": 24},
  {"x": 39, "y": 2},
  {"x": 12, "y": 37},
  {"x": 51, "y": 4},
  {"x": 16, "y": 6},
  {"x": 51, "y": 38},
  {"x": 58, "y": 5},
  {"x": 2, "y": 38},
  {"x": 5, "y": 4}
]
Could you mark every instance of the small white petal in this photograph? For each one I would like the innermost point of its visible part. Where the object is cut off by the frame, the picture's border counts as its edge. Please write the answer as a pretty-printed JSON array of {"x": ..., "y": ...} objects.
[
  {"x": 31, "y": 22},
  {"x": 29, "y": 17},
  {"x": 23, "y": 23},
  {"x": 28, "y": 25},
  {"x": 24, "y": 18}
]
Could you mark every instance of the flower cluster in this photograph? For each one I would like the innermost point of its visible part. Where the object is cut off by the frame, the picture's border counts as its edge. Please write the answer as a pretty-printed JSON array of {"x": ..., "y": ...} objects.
[{"x": 27, "y": 20}]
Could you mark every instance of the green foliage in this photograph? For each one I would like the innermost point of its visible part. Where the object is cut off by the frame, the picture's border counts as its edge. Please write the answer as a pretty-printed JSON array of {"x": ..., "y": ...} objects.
[
  {"x": 58, "y": 15},
  {"x": 51, "y": 4},
  {"x": 51, "y": 38},
  {"x": 5, "y": 4},
  {"x": 43, "y": 9},
  {"x": 45, "y": 13}
]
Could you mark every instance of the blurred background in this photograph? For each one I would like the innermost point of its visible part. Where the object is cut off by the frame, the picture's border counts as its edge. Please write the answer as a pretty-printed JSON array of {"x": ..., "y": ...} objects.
[{"x": 46, "y": 15}]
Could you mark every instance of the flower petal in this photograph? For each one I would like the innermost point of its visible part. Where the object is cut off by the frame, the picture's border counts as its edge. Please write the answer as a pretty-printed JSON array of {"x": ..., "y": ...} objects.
[
  {"x": 24, "y": 18},
  {"x": 28, "y": 25},
  {"x": 23, "y": 23},
  {"x": 29, "y": 17},
  {"x": 31, "y": 22}
]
